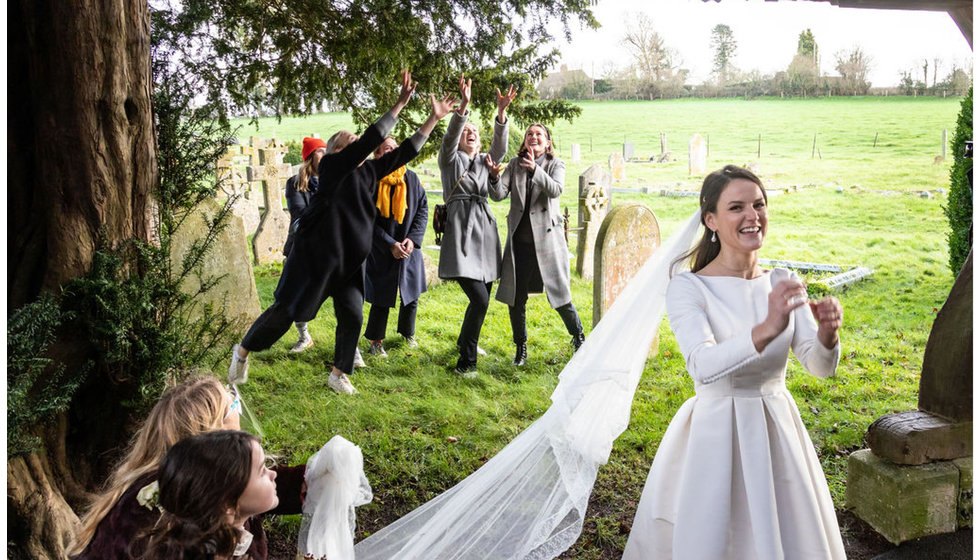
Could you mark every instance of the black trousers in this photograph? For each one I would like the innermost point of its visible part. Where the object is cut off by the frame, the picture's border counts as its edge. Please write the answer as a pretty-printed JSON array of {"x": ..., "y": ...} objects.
[
  {"x": 527, "y": 273},
  {"x": 377, "y": 324},
  {"x": 478, "y": 293},
  {"x": 348, "y": 308}
]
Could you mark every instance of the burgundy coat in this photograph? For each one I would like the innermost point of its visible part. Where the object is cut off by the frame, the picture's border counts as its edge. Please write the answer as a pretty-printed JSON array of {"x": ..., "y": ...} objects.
[{"x": 127, "y": 519}]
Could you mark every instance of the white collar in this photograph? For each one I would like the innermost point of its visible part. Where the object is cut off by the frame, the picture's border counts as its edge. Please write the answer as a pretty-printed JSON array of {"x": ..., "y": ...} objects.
[{"x": 244, "y": 541}]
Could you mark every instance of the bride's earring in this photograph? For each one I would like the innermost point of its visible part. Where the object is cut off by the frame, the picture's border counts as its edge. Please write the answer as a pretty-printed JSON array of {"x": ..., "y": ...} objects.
[{"x": 714, "y": 237}]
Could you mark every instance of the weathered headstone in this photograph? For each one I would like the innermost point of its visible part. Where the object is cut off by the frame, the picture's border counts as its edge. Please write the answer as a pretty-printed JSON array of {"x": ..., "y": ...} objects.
[
  {"x": 594, "y": 200},
  {"x": 697, "y": 156},
  {"x": 274, "y": 227},
  {"x": 628, "y": 153},
  {"x": 228, "y": 258},
  {"x": 576, "y": 153},
  {"x": 617, "y": 167},
  {"x": 232, "y": 181},
  {"x": 894, "y": 486},
  {"x": 629, "y": 235}
]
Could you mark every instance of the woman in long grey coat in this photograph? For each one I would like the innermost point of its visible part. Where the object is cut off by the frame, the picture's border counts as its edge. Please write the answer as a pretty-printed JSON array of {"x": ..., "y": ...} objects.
[
  {"x": 470, "y": 250},
  {"x": 536, "y": 256}
]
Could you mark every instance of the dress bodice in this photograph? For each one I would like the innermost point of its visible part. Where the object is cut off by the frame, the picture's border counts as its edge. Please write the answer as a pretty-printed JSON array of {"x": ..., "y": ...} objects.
[{"x": 713, "y": 317}]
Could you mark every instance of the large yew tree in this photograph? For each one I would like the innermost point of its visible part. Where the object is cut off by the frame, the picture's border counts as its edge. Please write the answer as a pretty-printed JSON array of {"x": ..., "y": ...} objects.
[{"x": 83, "y": 163}]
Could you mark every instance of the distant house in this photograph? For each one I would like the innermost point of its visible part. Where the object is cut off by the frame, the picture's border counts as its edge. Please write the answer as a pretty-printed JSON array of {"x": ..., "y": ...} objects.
[{"x": 567, "y": 84}]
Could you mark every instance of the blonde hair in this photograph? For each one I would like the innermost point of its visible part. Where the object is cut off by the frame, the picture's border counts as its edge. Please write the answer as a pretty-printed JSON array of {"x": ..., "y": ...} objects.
[
  {"x": 305, "y": 172},
  {"x": 340, "y": 140},
  {"x": 193, "y": 407}
]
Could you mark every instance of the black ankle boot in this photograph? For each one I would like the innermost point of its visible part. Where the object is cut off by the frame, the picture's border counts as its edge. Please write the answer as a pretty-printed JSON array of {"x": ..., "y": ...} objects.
[
  {"x": 578, "y": 340},
  {"x": 520, "y": 356}
]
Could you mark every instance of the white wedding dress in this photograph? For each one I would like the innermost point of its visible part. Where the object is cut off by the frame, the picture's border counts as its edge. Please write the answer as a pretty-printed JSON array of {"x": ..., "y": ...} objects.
[{"x": 736, "y": 476}]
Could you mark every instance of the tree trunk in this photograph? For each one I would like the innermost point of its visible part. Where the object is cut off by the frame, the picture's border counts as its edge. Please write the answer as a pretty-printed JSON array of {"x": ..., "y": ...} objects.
[
  {"x": 81, "y": 163},
  {"x": 40, "y": 524}
]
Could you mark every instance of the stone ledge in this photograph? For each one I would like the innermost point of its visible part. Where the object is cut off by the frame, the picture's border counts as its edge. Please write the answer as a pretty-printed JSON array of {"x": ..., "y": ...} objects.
[
  {"x": 917, "y": 437},
  {"x": 903, "y": 502}
]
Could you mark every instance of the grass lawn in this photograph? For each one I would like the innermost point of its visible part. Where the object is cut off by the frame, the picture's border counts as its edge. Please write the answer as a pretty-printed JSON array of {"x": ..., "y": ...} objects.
[{"x": 860, "y": 205}]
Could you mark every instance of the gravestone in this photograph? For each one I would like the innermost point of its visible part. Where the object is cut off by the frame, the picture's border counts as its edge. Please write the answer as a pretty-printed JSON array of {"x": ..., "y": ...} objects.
[
  {"x": 617, "y": 167},
  {"x": 594, "y": 201},
  {"x": 576, "y": 153},
  {"x": 697, "y": 156},
  {"x": 629, "y": 236},
  {"x": 228, "y": 258},
  {"x": 916, "y": 478},
  {"x": 628, "y": 153},
  {"x": 274, "y": 227},
  {"x": 232, "y": 181}
]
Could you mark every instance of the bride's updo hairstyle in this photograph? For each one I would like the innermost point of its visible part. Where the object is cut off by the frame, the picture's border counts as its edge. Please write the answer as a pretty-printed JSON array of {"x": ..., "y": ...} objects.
[{"x": 714, "y": 184}]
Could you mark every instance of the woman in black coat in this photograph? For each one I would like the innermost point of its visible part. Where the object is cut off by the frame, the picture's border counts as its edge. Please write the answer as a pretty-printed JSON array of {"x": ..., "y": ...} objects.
[
  {"x": 299, "y": 189},
  {"x": 332, "y": 241},
  {"x": 395, "y": 263}
]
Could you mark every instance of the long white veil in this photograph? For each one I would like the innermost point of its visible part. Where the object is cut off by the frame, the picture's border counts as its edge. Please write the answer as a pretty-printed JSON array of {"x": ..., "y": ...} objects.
[{"x": 529, "y": 500}]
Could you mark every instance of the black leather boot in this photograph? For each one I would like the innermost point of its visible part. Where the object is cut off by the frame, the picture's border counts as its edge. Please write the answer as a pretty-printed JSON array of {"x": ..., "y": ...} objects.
[{"x": 520, "y": 356}]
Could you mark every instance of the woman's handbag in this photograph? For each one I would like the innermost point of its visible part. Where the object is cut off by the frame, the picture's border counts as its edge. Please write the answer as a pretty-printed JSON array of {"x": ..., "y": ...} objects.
[{"x": 439, "y": 221}]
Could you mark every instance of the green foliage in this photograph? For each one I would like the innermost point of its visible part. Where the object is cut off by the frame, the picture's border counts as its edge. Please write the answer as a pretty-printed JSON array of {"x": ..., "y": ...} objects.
[
  {"x": 293, "y": 57},
  {"x": 807, "y": 44},
  {"x": 959, "y": 210},
  {"x": 294, "y": 154},
  {"x": 37, "y": 387}
]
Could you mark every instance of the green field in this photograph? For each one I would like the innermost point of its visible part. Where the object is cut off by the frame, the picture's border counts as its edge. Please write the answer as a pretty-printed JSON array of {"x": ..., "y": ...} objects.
[{"x": 859, "y": 205}]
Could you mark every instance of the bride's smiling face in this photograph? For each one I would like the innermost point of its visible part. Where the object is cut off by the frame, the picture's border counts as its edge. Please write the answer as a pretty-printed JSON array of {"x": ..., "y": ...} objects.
[{"x": 741, "y": 219}]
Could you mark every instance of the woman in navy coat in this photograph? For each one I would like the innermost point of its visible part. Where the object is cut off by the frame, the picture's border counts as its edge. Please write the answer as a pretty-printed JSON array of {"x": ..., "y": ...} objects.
[
  {"x": 332, "y": 241},
  {"x": 300, "y": 188},
  {"x": 395, "y": 263}
]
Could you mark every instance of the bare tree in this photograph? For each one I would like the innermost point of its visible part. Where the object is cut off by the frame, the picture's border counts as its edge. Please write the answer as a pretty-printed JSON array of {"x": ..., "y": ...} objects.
[
  {"x": 853, "y": 66},
  {"x": 656, "y": 64}
]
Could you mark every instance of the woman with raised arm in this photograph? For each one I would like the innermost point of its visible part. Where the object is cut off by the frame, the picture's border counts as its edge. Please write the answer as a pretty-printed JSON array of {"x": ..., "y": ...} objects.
[
  {"x": 334, "y": 238},
  {"x": 470, "y": 251},
  {"x": 536, "y": 255},
  {"x": 736, "y": 475}
]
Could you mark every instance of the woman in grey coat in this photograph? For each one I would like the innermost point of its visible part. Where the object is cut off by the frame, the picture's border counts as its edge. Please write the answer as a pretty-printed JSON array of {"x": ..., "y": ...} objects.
[
  {"x": 470, "y": 250},
  {"x": 536, "y": 256}
]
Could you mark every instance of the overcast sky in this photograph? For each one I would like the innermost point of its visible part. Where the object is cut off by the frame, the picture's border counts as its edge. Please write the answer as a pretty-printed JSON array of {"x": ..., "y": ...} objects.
[{"x": 767, "y": 32}]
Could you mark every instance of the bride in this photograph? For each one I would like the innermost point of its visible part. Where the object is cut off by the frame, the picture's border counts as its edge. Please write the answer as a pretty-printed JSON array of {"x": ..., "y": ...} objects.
[
  {"x": 702, "y": 500},
  {"x": 736, "y": 475}
]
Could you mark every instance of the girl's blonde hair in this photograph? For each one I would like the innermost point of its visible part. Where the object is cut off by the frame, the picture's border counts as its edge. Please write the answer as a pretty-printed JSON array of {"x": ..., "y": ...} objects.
[
  {"x": 193, "y": 407},
  {"x": 305, "y": 172}
]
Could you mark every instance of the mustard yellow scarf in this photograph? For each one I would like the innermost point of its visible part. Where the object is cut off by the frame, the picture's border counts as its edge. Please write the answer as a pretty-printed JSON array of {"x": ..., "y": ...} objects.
[{"x": 392, "y": 195}]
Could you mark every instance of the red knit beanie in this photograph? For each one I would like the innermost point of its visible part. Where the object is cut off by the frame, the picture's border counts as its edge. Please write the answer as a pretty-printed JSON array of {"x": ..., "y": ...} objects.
[{"x": 311, "y": 145}]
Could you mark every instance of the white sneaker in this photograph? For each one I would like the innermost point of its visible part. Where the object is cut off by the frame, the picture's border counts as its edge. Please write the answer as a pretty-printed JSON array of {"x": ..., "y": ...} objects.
[
  {"x": 238, "y": 370},
  {"x": 410, "y": 342},
  {"x": 303, "y": 343},
  {"x": 358, "y": 360},
  {"x": 378, "y": 349},
  {"x": 480, "y": 351},
  {"x": 341, "y": 384}
]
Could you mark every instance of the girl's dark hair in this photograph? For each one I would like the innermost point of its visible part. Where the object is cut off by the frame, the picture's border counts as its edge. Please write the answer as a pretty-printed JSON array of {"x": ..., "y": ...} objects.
[
  {"x": 201, "y": 478},
  {"x": 714, "y": 184}
]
